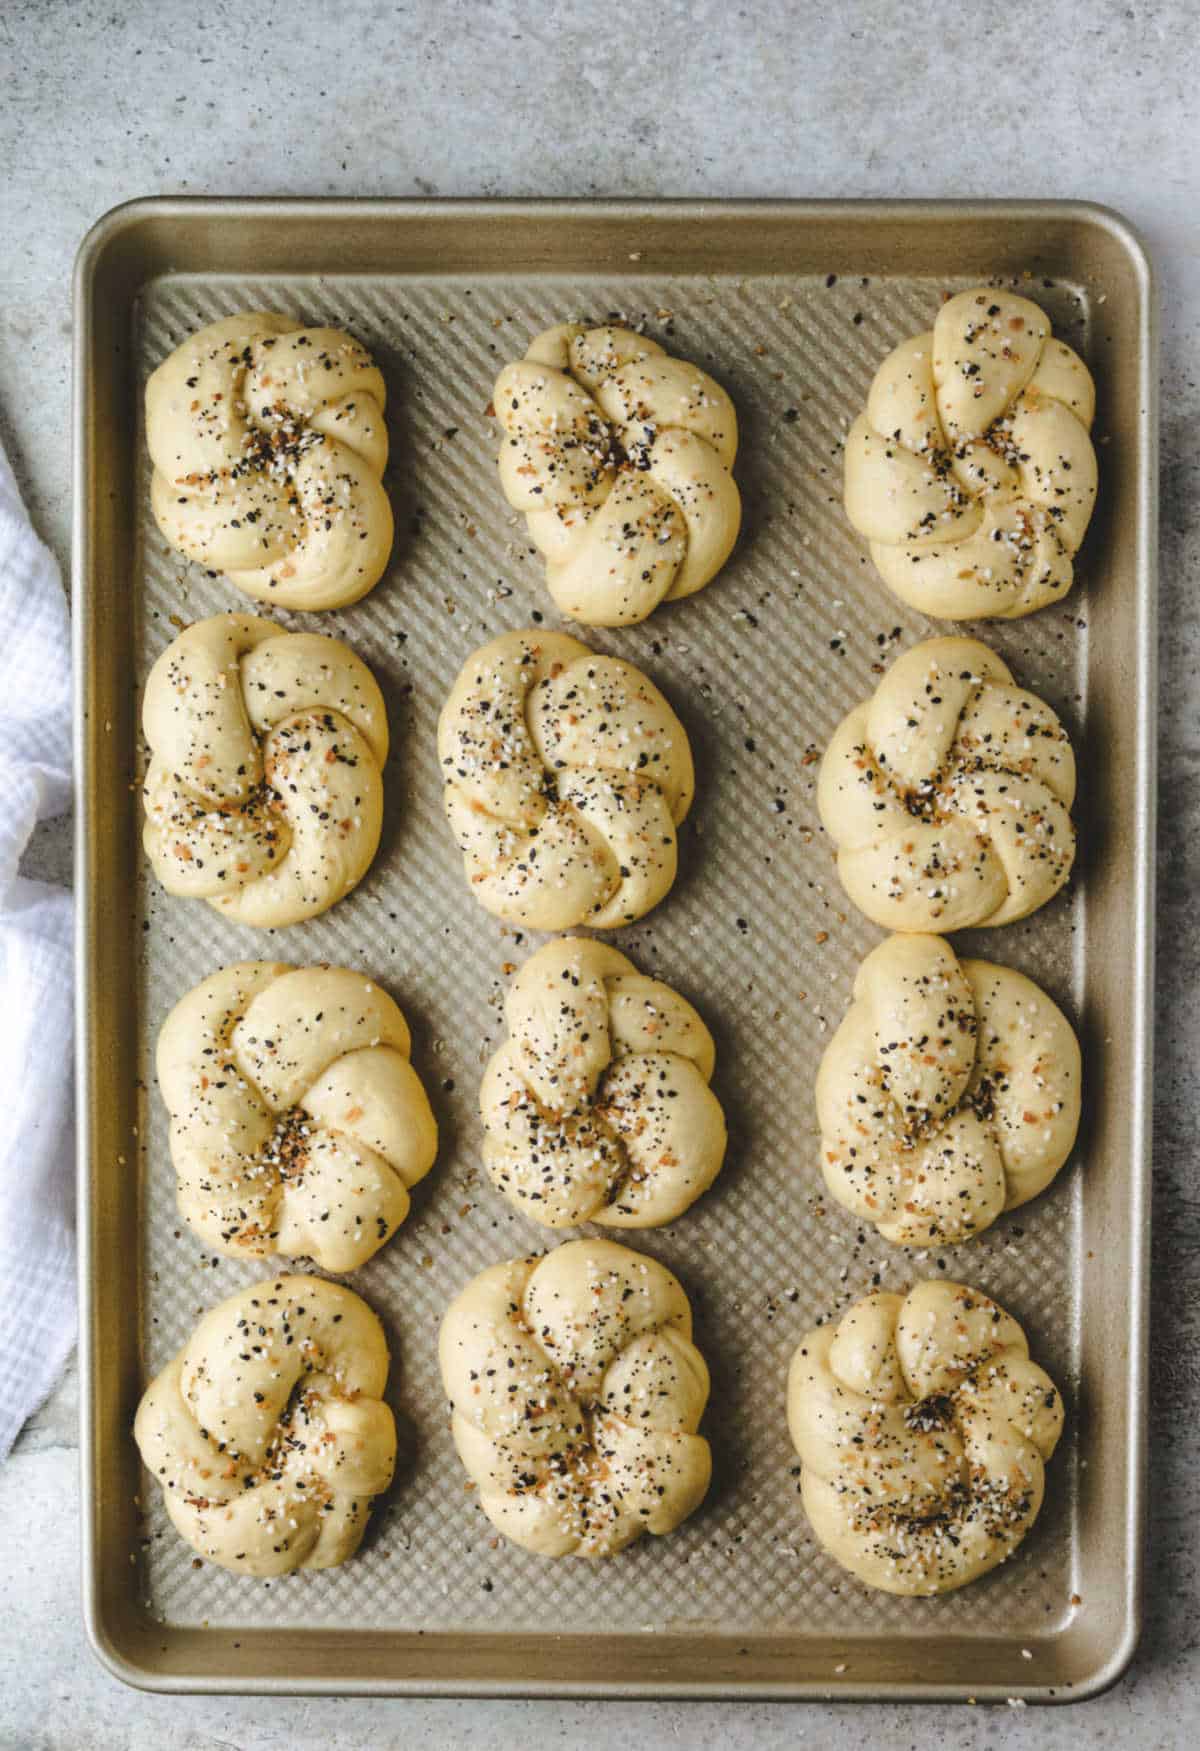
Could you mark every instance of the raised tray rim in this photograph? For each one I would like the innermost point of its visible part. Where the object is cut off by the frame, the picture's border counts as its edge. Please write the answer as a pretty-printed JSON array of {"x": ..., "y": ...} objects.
[{"x": 141, "y": 1658}]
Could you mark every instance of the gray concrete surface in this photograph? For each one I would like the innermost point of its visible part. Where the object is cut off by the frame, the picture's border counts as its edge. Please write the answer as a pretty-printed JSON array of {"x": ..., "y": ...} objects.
[{"x": 104, "y": 101}]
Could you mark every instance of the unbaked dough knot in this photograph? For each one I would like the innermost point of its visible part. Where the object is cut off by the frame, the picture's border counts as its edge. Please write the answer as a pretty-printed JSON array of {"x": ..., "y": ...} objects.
[
  {"x": 269, "y": 444},
  {"x": 576, "y": 1393},
  {"x": 948, "y": 794},
  {"x": 298, "y": 1124},
  {"x": 264, "y": 793},
  {"x": 923, "y": 1431},
  {"x": 949, "y": 1093},
  {"x": 620, "y": 456},
  {"x": 267, "y": 1432},
  {"x": 972, "y": 473},
  {"x": 597, "y": 1107},
  {"x": 566, "y": 775}
]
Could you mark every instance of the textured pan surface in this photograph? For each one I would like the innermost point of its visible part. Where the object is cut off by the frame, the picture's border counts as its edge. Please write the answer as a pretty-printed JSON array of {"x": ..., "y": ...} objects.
[{"x": 760, "y": 666}]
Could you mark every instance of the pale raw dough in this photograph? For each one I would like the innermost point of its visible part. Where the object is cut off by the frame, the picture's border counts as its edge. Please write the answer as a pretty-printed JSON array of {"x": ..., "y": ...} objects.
[
  {"x": 566, "y": 774},
  {"x": 597, "y": 1107},
  {"x": 971, "y": 473},
  {"x": 264, "y": 794},
  {"x": 298, "y": 1124},
  {"x": 923, "y": 1431},
  {"x": 269, "y": 445},
  {"x": 267, "y": 1432},
  {"x": 949, "y": 1093},
  {"x": 620, "y": 458},
  {"x": 948, "y": 794},
  {"x": 576, "y": 1394}
]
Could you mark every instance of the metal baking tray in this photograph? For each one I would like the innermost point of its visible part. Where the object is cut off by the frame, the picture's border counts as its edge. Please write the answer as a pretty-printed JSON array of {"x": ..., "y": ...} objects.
[{"x": 791, "y": 305}]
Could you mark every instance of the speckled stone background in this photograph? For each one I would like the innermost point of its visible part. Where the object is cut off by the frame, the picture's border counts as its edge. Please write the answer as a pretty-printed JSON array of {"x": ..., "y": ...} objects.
[{"x": 104, "y": 102}]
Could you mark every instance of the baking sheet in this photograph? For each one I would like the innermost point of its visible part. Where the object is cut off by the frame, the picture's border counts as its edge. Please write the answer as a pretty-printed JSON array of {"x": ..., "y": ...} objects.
[{"x": 760, "y": 667}]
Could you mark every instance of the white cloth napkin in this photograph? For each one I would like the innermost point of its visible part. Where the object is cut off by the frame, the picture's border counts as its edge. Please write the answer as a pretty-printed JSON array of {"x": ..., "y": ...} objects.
[{"x": 37, "y": 1224}]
